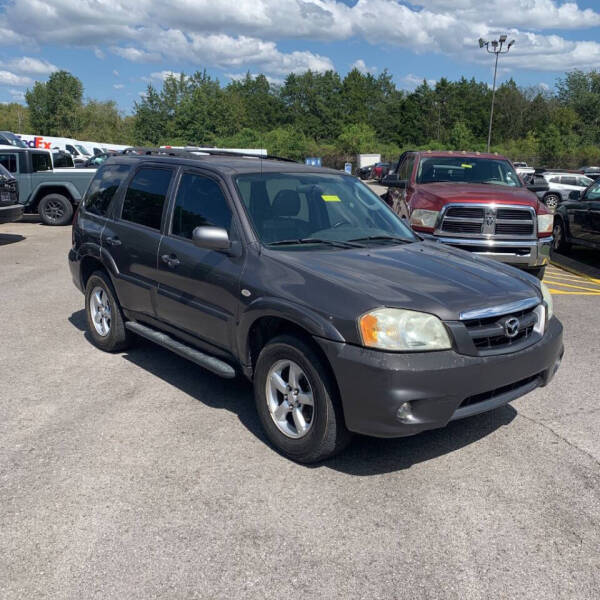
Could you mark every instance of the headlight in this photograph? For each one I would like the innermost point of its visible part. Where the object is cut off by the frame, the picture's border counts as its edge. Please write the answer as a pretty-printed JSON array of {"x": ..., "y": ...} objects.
[
  {"x": 545, "y": 223},
  {"x": 547, "y": 296},
  {"x": 424, "y": 218},
  {"x": 398, "y": 329}
]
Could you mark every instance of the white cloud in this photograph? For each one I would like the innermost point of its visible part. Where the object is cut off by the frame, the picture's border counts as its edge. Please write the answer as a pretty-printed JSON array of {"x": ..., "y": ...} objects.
[
  {"x": 98, "y": 53},
  {"x": 410, "y": 81},
  {"x": 17, "y": 95},
  {"x": 244, "y": 34},
  {"x": 362, "y": 67},
  {"x": 118, "y": 86},
  {"x": 8, "y": 78},
  {"x": 115, "y": 73},
  {"x": 27, "y": 64}
]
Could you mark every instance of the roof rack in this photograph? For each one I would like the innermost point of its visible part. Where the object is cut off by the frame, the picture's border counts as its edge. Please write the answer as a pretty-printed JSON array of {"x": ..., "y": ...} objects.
[{"x": 196, "y": 154}]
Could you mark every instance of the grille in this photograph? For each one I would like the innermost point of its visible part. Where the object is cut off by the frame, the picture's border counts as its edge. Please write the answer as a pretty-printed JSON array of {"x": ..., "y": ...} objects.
[
  {"x": 488, "y": 222},
  {"x": 489, "y": 334},
  {"x": 498, "y": 391}
]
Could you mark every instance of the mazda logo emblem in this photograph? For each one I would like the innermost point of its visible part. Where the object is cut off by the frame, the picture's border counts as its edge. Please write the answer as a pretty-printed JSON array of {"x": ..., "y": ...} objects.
[{"x": 511, "y": 327}]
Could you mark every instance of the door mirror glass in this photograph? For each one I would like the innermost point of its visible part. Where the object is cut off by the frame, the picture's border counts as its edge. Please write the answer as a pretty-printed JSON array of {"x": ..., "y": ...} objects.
[{"x": 212, "y": 238}]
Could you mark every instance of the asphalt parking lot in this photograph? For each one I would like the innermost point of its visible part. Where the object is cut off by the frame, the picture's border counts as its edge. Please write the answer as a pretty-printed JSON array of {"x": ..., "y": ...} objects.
[{"x": 139, "y": 475}]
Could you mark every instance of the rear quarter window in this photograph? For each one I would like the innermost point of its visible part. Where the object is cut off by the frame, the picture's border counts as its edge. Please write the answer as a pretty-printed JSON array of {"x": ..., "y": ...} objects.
[
  {"x": 9, "y": 162},
  {"x": 41, "y": 161},
  {"x": 103, "y": 188}
]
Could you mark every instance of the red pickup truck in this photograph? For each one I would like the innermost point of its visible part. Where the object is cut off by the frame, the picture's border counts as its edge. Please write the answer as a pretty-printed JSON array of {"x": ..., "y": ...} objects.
[{"x": 474, "y": 201}]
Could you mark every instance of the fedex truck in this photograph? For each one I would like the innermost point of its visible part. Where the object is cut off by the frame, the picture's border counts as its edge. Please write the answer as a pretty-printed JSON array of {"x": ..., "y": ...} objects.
[{"x": 44, "y": 142}]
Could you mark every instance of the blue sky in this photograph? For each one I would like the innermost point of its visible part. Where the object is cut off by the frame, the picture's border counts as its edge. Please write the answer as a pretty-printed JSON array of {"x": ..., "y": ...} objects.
[{"x": 117, "y": 46}]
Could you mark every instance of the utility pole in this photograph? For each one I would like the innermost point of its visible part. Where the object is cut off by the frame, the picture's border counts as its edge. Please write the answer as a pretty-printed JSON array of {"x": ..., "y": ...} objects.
[{"x": 495, "y": 47}]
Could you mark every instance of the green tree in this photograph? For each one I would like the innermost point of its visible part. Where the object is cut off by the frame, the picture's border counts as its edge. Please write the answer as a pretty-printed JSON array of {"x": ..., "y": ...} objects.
[
  {"x": 356, "y": 139},
  {"x": 55, "y": 106}
]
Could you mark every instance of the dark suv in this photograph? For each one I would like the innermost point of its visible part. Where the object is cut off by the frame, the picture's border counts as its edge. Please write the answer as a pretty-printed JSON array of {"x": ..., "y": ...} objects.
[
  {"x": 10, "y": 209},
  {"x": 304, "y": 280}
]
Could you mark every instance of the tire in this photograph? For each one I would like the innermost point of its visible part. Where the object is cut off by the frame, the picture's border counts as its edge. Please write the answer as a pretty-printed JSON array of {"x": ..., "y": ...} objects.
[
  {"x": 326, "y": 432},
  {"x": 55, "y": 209},
  {"x": 116, "y": 337},
  {"x": 551, "y": 201},
  {"x": 537, "y": 272},
  {"x": 559, "y": 242}
]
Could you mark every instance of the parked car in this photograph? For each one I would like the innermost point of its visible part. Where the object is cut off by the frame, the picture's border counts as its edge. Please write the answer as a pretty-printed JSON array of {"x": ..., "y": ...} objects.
[
  {"x": 474, "y": 201},
  {"x": 591, "y": 172},
  {"x": 577, "y": 220},
  {"x": 302, "y": 279},
  {"x": 95, "y": 161},
  {"x": 523, "y": 169},
  {"x": 560, "y": 185},
  {"x": 52, "y": 192},
  {"x": 380, "y": 170},
  {"x": 365, "y": 172},
  {"x": 10, "y": 209},
  {"x": 8, "y": 138}
]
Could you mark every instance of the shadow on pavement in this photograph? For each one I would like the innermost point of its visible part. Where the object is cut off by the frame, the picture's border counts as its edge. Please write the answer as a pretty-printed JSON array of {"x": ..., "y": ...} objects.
[
  {"x": 10, "y": 238},
  {"x": 585, "y": 261},
  {"x": 364, "y": 457}
]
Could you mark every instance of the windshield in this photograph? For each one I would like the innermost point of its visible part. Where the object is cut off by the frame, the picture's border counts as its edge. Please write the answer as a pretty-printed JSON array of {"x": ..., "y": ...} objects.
[
  {"x": 311, "y": 210},
  {"x": 467, "y": 170},
  {"x": 12, "y": 140},
  {"x": 82, "y": 149}
]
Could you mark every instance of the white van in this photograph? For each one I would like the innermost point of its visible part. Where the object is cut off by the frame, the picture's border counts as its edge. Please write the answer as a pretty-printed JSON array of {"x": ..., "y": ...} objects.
[{"x": 74, "y": 147}]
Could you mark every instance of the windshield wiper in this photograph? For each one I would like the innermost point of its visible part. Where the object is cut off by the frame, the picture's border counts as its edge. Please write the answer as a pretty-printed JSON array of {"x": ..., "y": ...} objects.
[
  {"x": 382, "y": 238},
  {"x": 334, "y": 243}
]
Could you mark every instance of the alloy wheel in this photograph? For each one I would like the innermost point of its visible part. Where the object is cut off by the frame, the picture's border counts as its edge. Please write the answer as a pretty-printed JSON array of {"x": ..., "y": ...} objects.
[{"x": 100, "y": 311}]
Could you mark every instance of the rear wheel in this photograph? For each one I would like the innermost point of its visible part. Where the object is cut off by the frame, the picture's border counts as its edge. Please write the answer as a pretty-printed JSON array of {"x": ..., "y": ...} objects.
[
  {"x": 106, "y": 324},
  {"x": 297, "y": 401},
  {"x": 559, "y": 242},
  {"x": 55, "y": 209}
]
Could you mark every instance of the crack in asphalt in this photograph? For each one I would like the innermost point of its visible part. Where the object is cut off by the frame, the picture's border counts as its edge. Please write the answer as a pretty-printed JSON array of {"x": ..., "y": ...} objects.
[{"x": 595, "y": 460}]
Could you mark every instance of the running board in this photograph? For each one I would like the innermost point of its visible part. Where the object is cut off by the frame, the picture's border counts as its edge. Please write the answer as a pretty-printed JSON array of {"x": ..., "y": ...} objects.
[{"x": 162, "y": 339}]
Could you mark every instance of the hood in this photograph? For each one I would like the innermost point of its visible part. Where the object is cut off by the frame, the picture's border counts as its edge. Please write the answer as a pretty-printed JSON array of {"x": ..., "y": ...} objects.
[
  {"x": 424, "y": 276},
  {"x": 444, "y": 193}
]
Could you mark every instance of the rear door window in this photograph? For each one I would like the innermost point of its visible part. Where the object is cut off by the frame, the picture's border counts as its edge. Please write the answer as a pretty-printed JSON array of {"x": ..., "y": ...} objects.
[
  {"x": 145, "y": 197},
  {"x": 104, "y": 186},
  {"x": 9, "y": 162},
  {"x": 41, "y": 161}
]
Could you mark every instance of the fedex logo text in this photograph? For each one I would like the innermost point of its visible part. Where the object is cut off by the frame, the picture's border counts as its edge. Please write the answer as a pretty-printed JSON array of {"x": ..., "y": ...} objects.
[{"x": 38, "y": 142}]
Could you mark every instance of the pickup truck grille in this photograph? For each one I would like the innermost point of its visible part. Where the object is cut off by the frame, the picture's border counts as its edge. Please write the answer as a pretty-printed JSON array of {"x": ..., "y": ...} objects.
[
  {"x": 9, "y": 192},
  {"x": 488, "y": 221},
  {"x": 503, "y": 333}
]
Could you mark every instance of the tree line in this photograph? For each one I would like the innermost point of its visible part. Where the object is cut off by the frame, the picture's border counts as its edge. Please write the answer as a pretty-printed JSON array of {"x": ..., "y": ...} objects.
[{"x": 327, "y": 115}]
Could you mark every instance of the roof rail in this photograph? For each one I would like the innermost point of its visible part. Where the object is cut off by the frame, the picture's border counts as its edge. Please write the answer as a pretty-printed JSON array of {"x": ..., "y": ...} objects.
[{"x": 198, "y": 154}]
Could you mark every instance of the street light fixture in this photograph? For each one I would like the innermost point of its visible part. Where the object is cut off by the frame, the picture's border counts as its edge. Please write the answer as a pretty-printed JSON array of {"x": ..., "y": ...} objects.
[{"x": 497, "y": 48}]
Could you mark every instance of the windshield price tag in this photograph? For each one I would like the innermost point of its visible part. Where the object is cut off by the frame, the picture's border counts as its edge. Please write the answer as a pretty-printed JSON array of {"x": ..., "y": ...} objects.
[{"x": 330, "y": 198}]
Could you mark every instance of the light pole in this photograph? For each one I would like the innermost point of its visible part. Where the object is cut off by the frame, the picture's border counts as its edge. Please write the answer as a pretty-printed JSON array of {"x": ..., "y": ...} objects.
[{"x": 495, "y": 47}]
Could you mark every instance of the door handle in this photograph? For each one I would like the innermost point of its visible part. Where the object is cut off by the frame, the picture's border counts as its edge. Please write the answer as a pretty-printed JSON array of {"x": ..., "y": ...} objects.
[
  {"x": 170, "y": 260},
  {"x": 113, "y": 241}
]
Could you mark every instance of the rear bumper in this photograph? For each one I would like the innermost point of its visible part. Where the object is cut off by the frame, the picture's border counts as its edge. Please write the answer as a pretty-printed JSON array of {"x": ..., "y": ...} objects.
[
  {"x": 525, "y": 253},
  {"x": 11, "y": 213},
  {"x": 440, "y": 386}
]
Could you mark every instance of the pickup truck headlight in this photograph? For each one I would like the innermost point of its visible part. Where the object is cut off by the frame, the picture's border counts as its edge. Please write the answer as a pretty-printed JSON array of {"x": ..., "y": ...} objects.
[
  {"x": 399, "y": 329},
  {"x": 547, "y": 296},
  {"x": 545, "y": 223},
  {"x": 424, "y": 218}
]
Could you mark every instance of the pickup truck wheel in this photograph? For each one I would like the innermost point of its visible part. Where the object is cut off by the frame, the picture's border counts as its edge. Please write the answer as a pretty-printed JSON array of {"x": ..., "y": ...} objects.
[
  {"x": 559, "y": 241},
  {"x": 55, "y": 209},
  {"x": 297, "y": 402},
  {"x": 106, "y": 324}
]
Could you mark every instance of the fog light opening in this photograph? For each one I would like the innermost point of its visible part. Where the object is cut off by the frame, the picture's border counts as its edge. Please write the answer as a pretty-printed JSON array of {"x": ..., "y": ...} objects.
[{"x": 404, "y": 413}]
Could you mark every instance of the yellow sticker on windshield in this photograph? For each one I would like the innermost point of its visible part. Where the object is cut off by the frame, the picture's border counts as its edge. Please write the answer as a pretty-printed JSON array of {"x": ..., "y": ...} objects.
[
  {"x": 331, "y": 198},
  {"x": 466, "y": 166}
]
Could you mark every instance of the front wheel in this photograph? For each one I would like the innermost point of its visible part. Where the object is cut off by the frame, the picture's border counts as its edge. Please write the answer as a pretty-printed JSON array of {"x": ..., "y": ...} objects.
[
  {"x": 55, "y": 209},
  {"x": 559, "y": 241},
  {"x": 551, "y": 201},
  {"x": 297, "y": 401}
]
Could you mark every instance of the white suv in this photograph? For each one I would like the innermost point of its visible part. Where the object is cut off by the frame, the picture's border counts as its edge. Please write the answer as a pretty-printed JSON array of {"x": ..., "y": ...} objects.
[{"x": 561, "y": 185}]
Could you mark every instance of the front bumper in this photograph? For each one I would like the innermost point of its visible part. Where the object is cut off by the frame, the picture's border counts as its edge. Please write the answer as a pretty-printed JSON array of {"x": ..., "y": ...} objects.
[
  {"x": 11, "y": 213},
  {"x": 440, "y": 386},
  {"x": 526, "y": 253}
]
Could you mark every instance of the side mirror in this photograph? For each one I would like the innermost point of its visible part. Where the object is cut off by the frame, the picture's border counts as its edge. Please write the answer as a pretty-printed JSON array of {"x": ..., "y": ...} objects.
[
  {"x": 538, "y": 187},
  {"x": 392, "y": 180},
  {"x": 212, "y": 238},
  {"x": 575, "y": 195}
]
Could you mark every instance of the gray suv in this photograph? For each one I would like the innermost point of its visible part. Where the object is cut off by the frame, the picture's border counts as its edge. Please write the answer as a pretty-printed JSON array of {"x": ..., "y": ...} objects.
[
  {"x": 302, "y": 280},
  {"x": 560, "y": 185}
]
